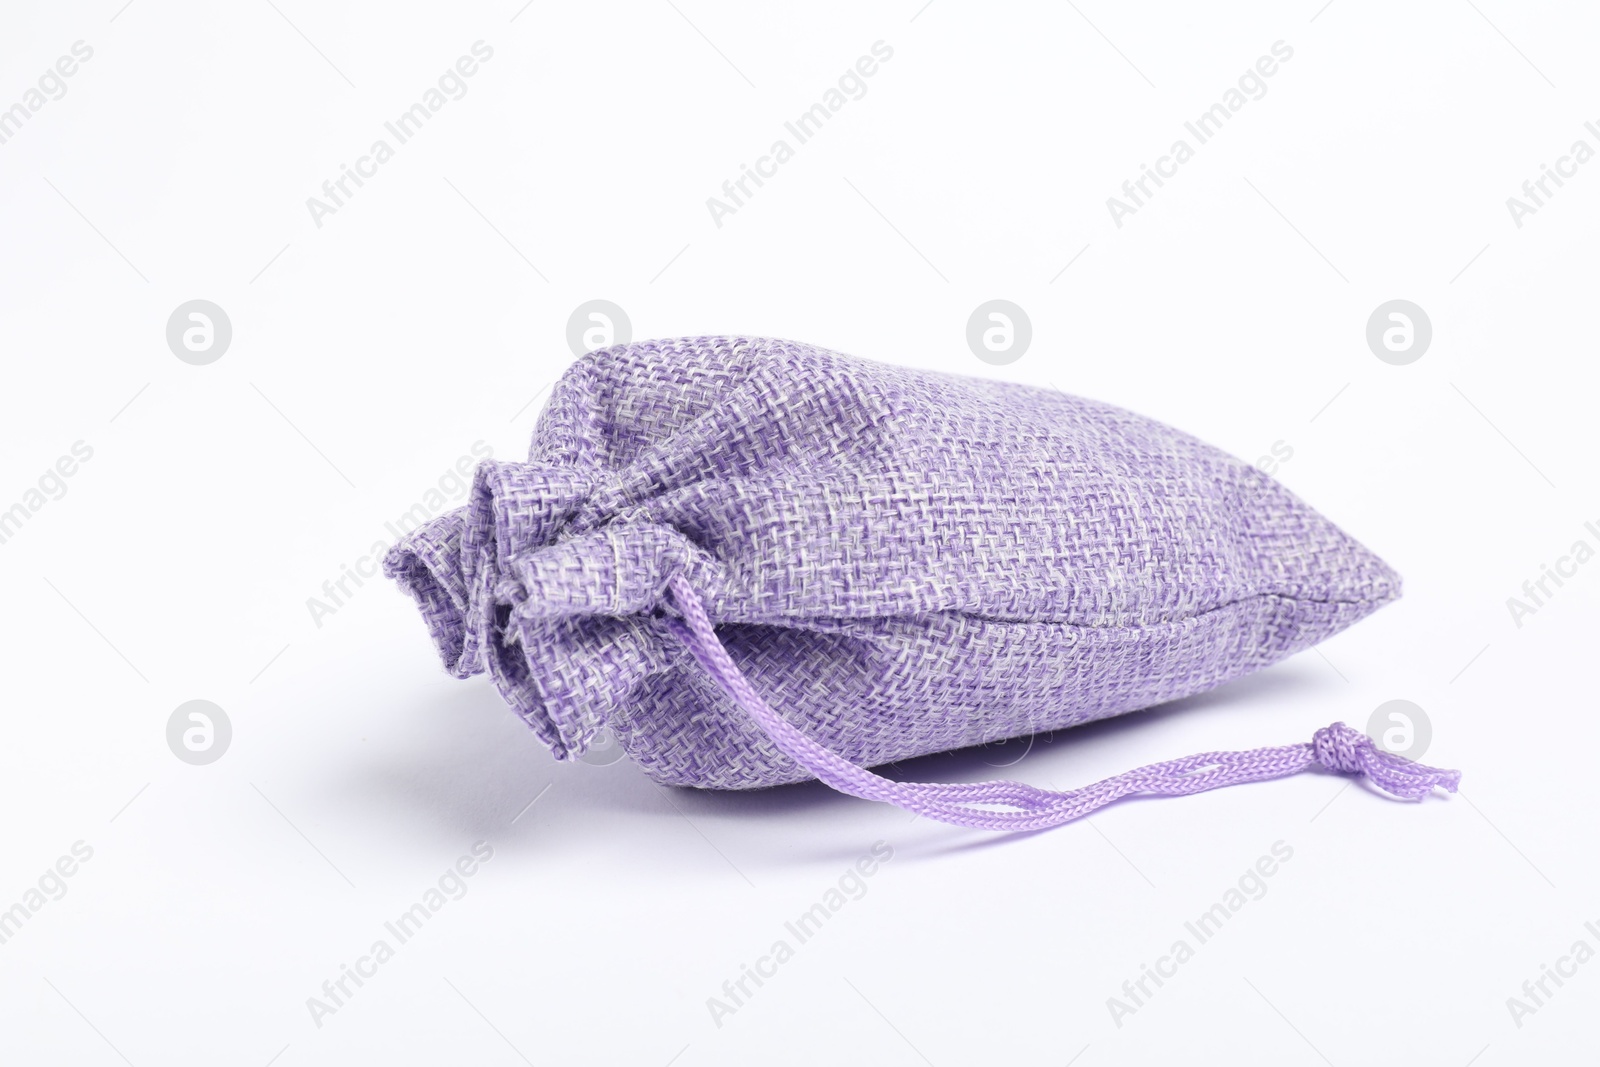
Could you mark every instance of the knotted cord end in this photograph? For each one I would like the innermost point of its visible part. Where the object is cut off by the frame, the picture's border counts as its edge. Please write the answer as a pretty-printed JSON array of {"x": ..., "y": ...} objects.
[{"x": 1345, "y": 750}]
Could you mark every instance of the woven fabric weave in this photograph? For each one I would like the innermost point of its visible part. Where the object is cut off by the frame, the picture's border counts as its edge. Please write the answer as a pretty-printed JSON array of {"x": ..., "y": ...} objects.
[{"x": 903, "y": 562}]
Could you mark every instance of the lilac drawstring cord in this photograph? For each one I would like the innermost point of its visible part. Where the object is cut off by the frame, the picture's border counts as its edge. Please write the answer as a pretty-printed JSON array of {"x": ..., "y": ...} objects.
[{"x": 1337, "y": 748}]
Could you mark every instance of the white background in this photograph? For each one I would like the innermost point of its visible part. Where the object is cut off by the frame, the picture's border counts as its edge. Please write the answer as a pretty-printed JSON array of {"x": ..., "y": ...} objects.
[{"x": 372, "y": 352}]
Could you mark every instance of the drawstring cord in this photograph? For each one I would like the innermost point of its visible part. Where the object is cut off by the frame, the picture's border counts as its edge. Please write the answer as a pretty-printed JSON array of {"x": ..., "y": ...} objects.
[{"x": 1338, "y": 748}]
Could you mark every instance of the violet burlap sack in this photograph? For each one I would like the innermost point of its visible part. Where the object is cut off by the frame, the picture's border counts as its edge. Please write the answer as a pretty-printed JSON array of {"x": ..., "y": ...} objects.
[{"x": 755, "y": 561}]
